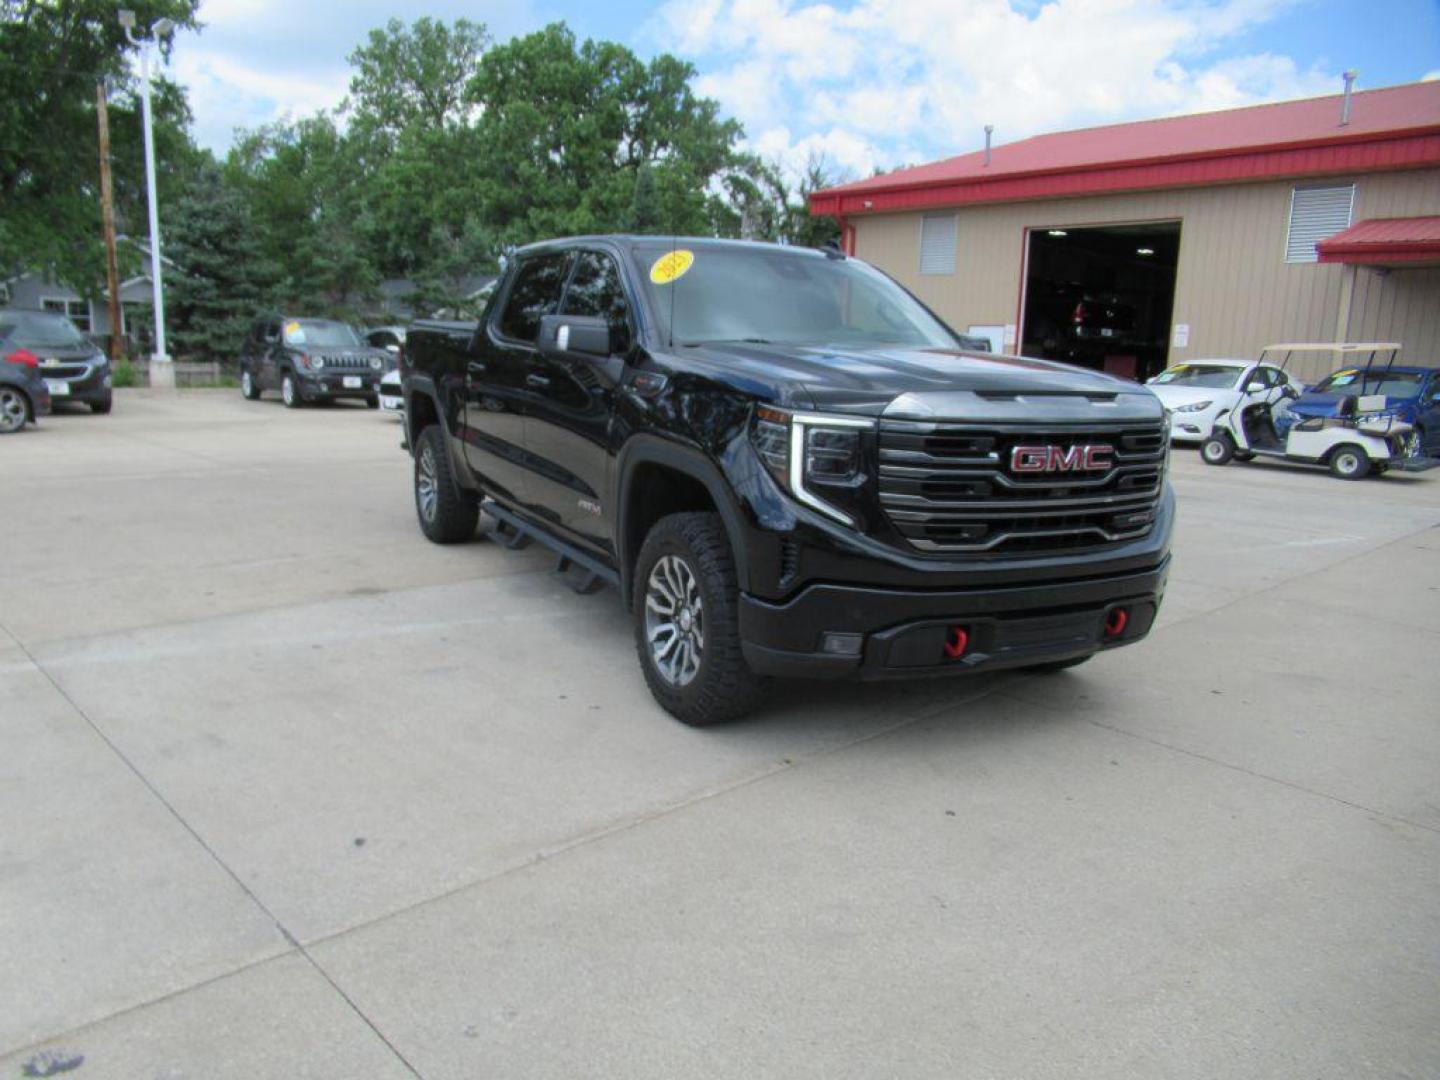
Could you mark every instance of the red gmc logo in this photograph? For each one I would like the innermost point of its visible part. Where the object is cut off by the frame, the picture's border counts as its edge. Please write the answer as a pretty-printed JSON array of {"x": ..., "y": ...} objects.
[{"x": 1039, "y": 459}]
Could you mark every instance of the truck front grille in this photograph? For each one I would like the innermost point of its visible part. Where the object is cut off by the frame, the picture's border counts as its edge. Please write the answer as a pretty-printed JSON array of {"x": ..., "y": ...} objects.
[{"x": 953, "y": 487}]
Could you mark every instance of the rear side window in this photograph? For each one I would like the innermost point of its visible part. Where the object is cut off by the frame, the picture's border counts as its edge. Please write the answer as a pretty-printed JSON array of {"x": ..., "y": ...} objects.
[
  {"x": 535, "y": 294},
  {"x": 596, "y": 290}
]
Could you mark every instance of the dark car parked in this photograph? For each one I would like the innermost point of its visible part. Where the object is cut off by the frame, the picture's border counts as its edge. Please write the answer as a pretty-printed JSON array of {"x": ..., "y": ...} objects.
[
  {"x": 1412, "y": 394},
  {"x": 789, "y": 467},
  {"x": 73, "y": 367},
  {"x": 24, "y": 397},
  {"x": 310, "y": 360}
]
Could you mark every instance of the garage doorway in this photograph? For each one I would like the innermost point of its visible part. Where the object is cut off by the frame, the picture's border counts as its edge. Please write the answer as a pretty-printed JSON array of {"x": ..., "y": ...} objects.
[{"x": 1101, "y": 296}]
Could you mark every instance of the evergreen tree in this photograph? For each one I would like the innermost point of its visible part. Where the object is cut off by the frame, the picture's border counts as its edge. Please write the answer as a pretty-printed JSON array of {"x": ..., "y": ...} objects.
[
  {"x": 221, "y": 278},
  {"x": 643, "y": 218}
]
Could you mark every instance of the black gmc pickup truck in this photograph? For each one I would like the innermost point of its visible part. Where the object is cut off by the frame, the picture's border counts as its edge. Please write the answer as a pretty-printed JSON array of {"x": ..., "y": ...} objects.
[{"x": 789, "y": 466}]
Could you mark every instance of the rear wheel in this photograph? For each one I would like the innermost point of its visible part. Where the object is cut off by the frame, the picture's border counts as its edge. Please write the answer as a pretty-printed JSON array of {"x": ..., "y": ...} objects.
[
  {"x": 14, "y": 410},
  {"x": 448, "y": 514},
  {"x": 289, "y": 392},
  {"x": 1349, "y": 462},
  {"x": 687, "y": 625},
  {"x": 1218, "y": 449},
  {"x": 249, "y": 388}
]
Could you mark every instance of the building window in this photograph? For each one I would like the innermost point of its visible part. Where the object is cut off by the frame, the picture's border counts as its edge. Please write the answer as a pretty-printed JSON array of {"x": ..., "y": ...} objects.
[
  {"x": 1316, "y": 213},
  {"x": 937, "y": 244},
  {"x": 78, "y": 310}
]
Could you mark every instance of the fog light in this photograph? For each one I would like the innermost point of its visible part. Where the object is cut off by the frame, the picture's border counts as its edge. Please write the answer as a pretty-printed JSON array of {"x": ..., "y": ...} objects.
[{"x": 837, "y": 644}]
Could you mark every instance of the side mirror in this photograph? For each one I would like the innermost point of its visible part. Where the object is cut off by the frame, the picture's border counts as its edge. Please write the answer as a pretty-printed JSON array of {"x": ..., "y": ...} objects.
[
  {"x": 1435, "y": 397},
  {"x": 1256, "y": 387},
  {"x": 564, "y": 335}
]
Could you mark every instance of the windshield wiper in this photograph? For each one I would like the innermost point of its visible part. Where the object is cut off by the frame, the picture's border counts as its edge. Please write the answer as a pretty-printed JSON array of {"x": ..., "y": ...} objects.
[{"x": 730, "y": 341}]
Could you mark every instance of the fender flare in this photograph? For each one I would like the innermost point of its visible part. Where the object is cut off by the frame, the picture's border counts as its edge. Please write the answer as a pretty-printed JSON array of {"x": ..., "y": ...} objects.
[
  {"x": 691, "y": 462},
  {"x": 423, "y": 386}
]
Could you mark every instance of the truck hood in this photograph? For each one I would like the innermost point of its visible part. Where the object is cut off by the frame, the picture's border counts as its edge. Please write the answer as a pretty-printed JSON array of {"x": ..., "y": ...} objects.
[{"x": 867, "y": 381}]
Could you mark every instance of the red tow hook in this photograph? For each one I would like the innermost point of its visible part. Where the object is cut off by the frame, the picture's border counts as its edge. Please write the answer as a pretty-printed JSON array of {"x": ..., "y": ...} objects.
[
  {"x": 957, "y": 640},
  {"x": 1116, "y": 619}
]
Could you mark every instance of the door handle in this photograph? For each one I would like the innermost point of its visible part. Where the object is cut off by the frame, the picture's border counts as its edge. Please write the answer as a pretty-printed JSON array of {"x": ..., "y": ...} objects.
[
  {"x": 476, "y": 367},
  {"x": 537, "y": 380}
]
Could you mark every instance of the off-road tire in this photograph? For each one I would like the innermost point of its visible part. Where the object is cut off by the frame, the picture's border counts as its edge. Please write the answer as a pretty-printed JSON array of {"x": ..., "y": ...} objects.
[
  {"x": 453, "y": 513},
  {"x": 249, "y": 388},
  {"x": 723, "y": 688},
  {"x": 290, "y": 392},
  {"x": 1349, "y": 462},
  {"x": 1218, "y": 449}
]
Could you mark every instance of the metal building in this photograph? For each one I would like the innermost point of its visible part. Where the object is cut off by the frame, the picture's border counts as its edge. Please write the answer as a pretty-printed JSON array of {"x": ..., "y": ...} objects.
[{"x": 1132, "y": 246}]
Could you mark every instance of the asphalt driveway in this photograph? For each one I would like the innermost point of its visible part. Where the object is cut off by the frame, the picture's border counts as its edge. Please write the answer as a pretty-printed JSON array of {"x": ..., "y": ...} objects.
[{"x": 286, "y": 791}]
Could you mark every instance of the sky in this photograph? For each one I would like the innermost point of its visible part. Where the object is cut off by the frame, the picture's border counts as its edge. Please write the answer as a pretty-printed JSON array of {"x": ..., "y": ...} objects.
[{"x": 869, "y": 83}]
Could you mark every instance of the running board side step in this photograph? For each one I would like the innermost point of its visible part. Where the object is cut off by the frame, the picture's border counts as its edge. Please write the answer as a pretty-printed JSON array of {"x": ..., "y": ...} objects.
[{"x": 514, "y": 532}]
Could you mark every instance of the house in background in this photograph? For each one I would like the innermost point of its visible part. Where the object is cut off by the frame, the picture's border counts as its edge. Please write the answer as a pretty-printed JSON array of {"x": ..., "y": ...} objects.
[
  {"x": 39, "y": 290},
  {"x": 398, "y": 297}
]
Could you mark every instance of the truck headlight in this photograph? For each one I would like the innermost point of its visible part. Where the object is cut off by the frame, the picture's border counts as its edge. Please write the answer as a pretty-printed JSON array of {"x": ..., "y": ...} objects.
[
  {"x": 805, "y": 450},
  {"x": 1199, "y": 406}
]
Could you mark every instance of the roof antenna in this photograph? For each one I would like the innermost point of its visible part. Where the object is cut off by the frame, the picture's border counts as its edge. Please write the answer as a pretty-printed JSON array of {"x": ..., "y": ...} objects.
[
  {"x": 1349, "y": 77},
  {"x": 989, "y": 130}
]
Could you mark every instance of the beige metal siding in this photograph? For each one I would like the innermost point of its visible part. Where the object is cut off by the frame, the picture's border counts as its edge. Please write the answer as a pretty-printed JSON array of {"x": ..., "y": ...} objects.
[{"x": 1233, "y": 286}]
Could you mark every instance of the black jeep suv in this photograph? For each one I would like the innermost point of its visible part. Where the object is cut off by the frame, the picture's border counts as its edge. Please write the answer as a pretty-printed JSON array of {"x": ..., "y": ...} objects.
[
  {"x": 310, "y": 360},
  {"x": 789, "y": 466}
]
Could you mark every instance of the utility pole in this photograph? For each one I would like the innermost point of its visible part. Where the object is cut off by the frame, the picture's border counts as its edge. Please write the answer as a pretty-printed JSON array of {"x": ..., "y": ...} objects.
[{"x": 107, "y": 218}]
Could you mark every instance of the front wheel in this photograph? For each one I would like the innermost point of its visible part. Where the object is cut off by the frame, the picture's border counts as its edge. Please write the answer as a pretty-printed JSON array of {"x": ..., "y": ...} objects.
[
  {"x": 249, "y": 388},
  {"x": 448, "y": 513},
  {"x": 290, "y": 393},
  {"x": 687, "y": 623},
  {"x": 1349, "y": 462},
  {"x": 14, "y": 410},
  {"x": 372, "y": 402},
  {"x": 1218, "y": 449},
  {"x": 103, "y": 406}
]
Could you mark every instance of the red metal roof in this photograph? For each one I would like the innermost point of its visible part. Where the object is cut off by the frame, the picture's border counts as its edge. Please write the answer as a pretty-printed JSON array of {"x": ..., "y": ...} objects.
[
  {"x": 1395, "y": 128},
  {"x": 1384, "y": 242}
]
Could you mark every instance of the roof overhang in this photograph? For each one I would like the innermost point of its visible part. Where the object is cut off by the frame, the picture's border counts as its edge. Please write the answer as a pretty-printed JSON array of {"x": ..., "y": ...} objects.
[
  {"x": 1388, "y": 242},
  {"x": 1388, "y": 151}
]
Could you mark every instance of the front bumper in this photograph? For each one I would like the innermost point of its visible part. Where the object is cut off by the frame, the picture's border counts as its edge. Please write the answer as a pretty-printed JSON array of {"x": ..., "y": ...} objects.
[
  {"x": 90, "y": 388},
  {"x": 332, "y": 387},
  {"x": 902, "y": 633},
  {"x": 1191, "y": 427}
]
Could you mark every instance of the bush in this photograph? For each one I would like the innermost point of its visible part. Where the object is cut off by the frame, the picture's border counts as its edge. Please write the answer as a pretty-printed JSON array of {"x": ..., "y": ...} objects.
[{"x": 125, "y": 375}]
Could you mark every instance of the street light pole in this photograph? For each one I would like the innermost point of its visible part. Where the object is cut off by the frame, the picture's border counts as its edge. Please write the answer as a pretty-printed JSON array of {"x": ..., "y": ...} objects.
[{"x": 161, "y": 373}]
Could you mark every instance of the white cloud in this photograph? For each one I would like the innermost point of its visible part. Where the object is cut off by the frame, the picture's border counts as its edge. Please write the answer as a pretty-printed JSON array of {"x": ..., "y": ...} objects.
[
  {"x": 883, "y": 82},
  {"x": 1431, "y": 76},
  {"x": 255, "y": 61}
]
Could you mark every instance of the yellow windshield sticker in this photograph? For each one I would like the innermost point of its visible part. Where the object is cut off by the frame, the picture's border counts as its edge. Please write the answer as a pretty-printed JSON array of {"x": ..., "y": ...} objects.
[
  {"x": 292, "y": 328},
  {"x": 1348, "y": 371},
  {"x": 671, "y": 267}
]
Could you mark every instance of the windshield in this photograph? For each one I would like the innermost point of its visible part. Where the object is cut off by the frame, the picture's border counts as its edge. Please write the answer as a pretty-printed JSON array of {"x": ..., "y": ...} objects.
[
  {"x": 777, "y": 295},
  {"x": 1355, "y": 382},
  {"x": 1200, "y": 376},
  {"x": 40, "y": 330},
  {"x": 319, "y": 332}
]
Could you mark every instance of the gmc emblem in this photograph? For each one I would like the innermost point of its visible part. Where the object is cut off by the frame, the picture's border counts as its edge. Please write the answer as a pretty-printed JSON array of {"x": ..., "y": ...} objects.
[{"x": 1039, "y": 459}]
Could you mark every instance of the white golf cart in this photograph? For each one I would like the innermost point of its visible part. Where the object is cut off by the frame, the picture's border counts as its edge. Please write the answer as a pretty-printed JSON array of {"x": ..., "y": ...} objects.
[{"x": 1362, "y": 438}]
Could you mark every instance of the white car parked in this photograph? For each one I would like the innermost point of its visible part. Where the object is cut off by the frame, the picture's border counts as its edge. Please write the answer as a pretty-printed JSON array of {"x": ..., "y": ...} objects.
[
  {"x": 1197, "y": 393},
  {"x": 392, "y": 397}
]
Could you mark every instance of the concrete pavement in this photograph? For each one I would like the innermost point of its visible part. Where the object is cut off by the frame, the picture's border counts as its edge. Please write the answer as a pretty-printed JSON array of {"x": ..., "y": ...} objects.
[{"x": 287, "y": 791}]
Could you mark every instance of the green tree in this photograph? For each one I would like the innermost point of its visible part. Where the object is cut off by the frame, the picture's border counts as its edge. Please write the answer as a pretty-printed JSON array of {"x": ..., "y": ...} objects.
[
  {"x": 54, "y": 53},
  {"x": 644, "y": 216},
  {"x": 566, "y": 127},
  {"x": 221, "y": 277},
  {"x": 415, "y": 76}
]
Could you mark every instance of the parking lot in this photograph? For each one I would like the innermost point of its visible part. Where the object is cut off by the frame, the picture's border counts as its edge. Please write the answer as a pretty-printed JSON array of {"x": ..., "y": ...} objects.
[{"x": 287, "y": 791}]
